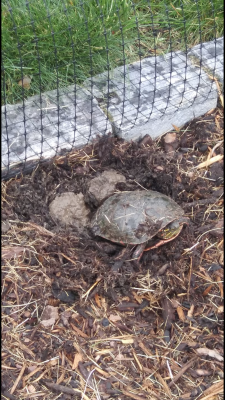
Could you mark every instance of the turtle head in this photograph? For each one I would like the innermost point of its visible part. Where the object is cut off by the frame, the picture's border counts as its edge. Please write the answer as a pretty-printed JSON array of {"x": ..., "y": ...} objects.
[{"x": 173, "y": 229}]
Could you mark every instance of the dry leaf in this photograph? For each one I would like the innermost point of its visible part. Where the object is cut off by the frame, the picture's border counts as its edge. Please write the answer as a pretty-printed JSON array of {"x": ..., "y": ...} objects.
[
  {"x": 25, "y": 82},
  {"x": 49, "y": 316},
  {"x": 203, "y": 351},
  {"x": 177, "y": 129}
]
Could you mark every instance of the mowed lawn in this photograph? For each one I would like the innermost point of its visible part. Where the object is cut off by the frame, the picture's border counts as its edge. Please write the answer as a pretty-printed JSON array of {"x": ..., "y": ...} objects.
[{"x": 54, "y": 43}]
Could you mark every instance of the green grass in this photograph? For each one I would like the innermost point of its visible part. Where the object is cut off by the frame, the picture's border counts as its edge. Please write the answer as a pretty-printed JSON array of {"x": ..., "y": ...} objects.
[{"x": 102, "y": 34}]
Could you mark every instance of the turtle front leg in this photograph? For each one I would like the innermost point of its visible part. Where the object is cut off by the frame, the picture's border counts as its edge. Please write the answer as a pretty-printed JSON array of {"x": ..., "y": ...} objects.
[{"x": 161, "y": 242}]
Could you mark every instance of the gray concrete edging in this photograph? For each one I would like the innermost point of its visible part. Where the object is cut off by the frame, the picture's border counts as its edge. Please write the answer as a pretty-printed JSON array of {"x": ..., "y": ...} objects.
[{"x": 130, "y": 101}]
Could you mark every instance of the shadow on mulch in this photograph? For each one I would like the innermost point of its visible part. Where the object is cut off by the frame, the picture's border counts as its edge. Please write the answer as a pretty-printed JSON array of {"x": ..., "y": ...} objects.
[{"x": 124, "y": 335}]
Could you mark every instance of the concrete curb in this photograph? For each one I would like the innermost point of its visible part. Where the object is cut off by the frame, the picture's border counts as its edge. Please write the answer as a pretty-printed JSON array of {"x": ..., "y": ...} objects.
[{"x": 130, "y": 101}]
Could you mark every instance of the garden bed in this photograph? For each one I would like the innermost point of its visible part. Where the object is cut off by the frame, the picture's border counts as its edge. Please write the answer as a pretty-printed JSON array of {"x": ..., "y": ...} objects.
[{"x": 74, "y": 328}]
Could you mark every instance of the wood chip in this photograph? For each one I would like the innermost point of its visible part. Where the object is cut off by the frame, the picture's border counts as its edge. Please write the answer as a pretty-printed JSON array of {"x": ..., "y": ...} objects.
[
  {"x": 78, "y": 357},
  {"x": 207, "y": 290},
  {"x": 144, "y": 348},
  {"x": 190, "y": 312},
  {"x": 32, "y": 373},
  {"x": 78, "y": 331},
  {"x": 127, "y": 341},
  {"x": 180, "y": 313}
]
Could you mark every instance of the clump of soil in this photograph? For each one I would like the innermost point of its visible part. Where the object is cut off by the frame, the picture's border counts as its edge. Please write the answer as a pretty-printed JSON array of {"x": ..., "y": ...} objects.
[{"x": 72, "y": 270}]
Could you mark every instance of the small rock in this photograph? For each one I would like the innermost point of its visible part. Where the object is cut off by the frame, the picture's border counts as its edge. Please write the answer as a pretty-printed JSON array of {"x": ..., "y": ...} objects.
[
  {"x": 170, "y": 137},
  {"x": 69, "y": 209},
  {"x": 170, "y": 142},
  {"x": 104, "y": 185},
  {"x": 105, "y": 322}
]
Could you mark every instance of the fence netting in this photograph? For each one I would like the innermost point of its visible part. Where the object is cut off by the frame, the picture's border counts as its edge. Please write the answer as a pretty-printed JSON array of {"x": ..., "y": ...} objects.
[{"x": 74, "y": 70}]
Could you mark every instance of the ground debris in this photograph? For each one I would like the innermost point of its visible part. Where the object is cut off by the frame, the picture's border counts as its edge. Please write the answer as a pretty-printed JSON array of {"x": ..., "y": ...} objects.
[{"x": 145, "y": 330}]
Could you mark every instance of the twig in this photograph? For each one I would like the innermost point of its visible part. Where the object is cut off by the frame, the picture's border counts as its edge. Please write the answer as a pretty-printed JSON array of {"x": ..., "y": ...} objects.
[
  {"x": 64, "y": 389},
  {"x": 189, "y": 280},
  {"x": 18, "y": 379},
  {"x": 90, "y": 289},
  {"x": 212, "y": 160}
]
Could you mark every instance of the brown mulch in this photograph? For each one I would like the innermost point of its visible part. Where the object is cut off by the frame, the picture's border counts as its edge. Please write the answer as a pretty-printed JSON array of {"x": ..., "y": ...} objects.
[{"x": 72, "y": 328}]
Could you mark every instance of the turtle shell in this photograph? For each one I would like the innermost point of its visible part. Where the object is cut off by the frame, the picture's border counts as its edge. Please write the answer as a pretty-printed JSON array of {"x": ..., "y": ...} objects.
[{"x": 134, "y": 217}]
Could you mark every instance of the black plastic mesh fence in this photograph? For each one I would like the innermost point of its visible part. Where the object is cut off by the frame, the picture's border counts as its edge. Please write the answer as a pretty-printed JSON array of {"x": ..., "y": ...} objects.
[{"x": 73, "y": 70}]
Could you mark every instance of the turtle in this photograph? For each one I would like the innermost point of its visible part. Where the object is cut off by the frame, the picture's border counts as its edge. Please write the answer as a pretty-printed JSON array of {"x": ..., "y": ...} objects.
[{"x": 135, "y": 217}]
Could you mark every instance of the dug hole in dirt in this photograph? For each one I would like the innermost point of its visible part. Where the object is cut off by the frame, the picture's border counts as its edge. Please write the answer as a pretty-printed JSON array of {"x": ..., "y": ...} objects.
[{"x": 72, "y": 326}]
